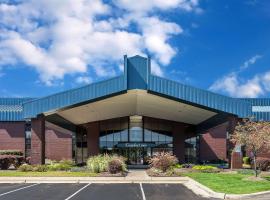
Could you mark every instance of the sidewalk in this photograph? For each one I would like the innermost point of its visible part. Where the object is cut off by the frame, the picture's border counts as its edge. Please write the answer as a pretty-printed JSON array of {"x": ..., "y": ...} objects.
[{"x": 134, "y": 176}]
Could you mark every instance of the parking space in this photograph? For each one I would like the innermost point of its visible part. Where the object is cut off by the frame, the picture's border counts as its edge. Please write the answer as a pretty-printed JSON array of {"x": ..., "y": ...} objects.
[
  {"x": 168, "y": 192},
  {"x": 115, "y": 191},
  {"x": 7, "y": 187},
  {"x": 43, "y": 191}
]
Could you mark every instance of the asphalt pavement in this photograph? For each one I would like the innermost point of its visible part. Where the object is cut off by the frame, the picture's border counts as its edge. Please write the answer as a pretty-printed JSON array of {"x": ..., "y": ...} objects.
[{"x": 88, "y": 191}]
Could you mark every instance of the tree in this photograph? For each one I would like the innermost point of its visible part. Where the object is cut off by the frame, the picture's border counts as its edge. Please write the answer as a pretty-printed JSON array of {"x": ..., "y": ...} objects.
[{"x": 255, "y": 136}]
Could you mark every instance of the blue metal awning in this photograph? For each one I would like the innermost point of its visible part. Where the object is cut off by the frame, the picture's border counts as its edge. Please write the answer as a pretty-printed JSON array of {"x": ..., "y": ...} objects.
[{"x": 137, "y": 76}]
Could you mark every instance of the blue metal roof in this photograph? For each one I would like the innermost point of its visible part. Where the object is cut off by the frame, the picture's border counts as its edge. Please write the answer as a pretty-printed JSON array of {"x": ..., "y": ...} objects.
[
  {"x": 137, "y": 76},
  {"x": 11, "y": 109}
]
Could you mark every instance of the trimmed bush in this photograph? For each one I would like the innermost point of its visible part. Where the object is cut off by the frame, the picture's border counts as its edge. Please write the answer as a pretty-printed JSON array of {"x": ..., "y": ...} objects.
[
  {"x": 163, "y": 161},
  {"x": 40, "y": 168},
  {"x": 18, "y": 161},
  {"x": 205, "y": 168},
  {"x": 115, "y": 166},
  {"x": 25, "y": 168},
  {"x": 6, "y": 161},
  {"x": 263, "y": 164},
  {"x": 246, "y": 160},
  {"x": 11, "y": 152},
  {"x": 63, "y": 165}
]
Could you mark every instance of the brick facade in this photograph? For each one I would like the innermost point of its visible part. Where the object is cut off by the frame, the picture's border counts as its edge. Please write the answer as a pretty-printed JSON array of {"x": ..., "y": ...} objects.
[
  {"x": 179, "y": 136},
  {"x": 38, "y": 140},
  {"x": 58, "y": 142},
  {"x": 12, "y": 136},
  {"x": 92, "y": 138},
  {"x": 213, "y": 143}
]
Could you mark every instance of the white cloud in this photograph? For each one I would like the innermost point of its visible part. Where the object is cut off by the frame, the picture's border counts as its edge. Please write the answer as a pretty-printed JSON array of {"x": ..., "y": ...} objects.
[
  {"x": 149, "y": 5},
  {"x": 250, "y": 61},
  {"x": 83, "y": 80},
  {"x": 233, "y": 85},
  {"x": 65, "y": 37}
]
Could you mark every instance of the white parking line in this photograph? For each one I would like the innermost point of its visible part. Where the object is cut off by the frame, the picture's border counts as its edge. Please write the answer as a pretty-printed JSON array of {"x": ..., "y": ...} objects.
[
  {"x": 143, "y": 195},
  {"x": 18, "y": 189},
  {"x": 77, "y": 191}
]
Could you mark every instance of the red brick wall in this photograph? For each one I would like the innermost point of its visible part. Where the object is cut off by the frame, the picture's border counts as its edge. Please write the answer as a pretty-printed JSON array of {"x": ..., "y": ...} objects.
[
  {"x": 92, "y": 138},
  {"x": 179, "y": 137},
  {"x": 213, "y": 143},
  {"x": 12, "y": 136},
  {"x": 38, "y": 140},
  {"x": 58, "y": 142}
]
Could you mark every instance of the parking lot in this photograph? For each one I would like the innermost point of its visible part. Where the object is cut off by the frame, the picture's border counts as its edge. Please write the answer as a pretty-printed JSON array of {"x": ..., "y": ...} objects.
[{"x": 134, "y": 191}]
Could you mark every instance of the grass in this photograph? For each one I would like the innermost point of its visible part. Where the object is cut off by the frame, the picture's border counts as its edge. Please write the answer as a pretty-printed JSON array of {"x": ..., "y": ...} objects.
[
  {"x": 230, "y": 183},
  {"x": 14, "y": 173}
]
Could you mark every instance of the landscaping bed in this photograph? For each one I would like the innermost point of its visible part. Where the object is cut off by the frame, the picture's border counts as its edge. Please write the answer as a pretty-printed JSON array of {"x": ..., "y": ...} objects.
[{"x": 101, "y": 165}]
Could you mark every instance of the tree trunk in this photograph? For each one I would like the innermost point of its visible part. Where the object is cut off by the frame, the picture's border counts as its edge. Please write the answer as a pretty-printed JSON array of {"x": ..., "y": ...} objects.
[{"x": 255, "y": 166}]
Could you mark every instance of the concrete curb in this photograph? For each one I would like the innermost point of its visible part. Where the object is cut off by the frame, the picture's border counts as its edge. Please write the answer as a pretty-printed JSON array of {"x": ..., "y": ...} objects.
[{"x": 93, "y": 180}]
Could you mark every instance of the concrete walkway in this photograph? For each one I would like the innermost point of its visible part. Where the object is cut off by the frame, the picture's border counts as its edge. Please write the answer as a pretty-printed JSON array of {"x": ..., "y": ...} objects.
[{"x": 137, "y": 174}]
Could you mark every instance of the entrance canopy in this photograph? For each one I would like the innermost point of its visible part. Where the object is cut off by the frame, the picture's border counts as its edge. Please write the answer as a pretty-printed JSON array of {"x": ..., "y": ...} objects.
[
  {"x": 136, "y": 92},
  {"x": 136, "y": 102}
]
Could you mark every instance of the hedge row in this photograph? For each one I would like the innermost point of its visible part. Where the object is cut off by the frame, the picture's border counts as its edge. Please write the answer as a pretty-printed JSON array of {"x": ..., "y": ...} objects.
[{"x": 11, "y": 152}]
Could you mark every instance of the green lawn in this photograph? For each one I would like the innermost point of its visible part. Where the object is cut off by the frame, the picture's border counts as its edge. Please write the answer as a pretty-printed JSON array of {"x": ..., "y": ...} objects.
[
  {"x": 230, "y": 183},
  {"x": 46, "y": 174}
]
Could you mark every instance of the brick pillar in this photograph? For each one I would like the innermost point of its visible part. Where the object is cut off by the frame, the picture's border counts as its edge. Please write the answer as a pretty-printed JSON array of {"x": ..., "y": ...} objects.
[
  {"x": 93, "y": 138},
  {"x": 179, "y": 142},
  {"x": 38, "y": 140},
  {"x": 236, "y": 160}
]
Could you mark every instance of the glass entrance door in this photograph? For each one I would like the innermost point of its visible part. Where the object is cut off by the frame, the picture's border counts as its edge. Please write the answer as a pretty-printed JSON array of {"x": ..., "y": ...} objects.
[{"x": 136, "y": 155}]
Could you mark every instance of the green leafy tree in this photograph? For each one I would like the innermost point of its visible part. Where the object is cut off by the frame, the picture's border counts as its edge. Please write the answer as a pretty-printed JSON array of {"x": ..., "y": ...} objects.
[{"x": 255, "y": 136}]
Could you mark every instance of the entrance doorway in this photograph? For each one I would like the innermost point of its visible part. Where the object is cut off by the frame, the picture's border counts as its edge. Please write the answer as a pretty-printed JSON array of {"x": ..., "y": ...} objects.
[{"x": 136, "y": 156}]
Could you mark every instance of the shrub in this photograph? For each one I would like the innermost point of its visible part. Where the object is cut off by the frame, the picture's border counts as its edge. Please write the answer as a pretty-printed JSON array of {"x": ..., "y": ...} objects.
[
  {"x": 63, "y": 165},
  {"x": 79, "y": 169},
  {"x": 115, "y": 166},
  {"x": 6, "y": 161},
  {"x": 205, "y": 168},
  {"x": 40, "y": 168},
  {"x": 263, "y": 164},
  {"x": 11, "y": 152},
  {"x": 178, "y": 166},
  {"x": 187, "y": 165},
  {"x": 163, "y": 161},
  {"x": 246, "y": 160},
  {"x": 28, "y": 160},
  {"x": 18, "y": 161},
  {"x": 100, "y": 163},
  {"x": 25, "y": 168}
]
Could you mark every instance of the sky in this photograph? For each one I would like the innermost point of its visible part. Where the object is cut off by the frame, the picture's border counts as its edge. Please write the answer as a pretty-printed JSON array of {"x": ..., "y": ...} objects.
[{"x": 49, "y": 46}]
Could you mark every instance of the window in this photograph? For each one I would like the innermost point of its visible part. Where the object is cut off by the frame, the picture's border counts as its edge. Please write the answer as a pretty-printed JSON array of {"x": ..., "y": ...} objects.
[
  {"x": 27, "y": 139},
  {"x": 191, "y": 147}
]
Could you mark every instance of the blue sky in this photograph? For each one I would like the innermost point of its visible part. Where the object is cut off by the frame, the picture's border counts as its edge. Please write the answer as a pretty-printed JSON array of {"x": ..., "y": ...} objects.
[{"x": 222, "y": 46}]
